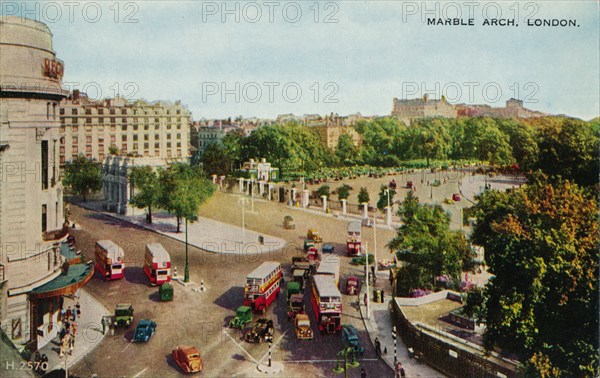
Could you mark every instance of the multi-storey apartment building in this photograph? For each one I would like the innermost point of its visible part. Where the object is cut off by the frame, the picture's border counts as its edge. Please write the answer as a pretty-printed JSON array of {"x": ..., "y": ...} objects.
[
  {"x": 98, "y": 128},
  {"x": 33, "y": 277}
]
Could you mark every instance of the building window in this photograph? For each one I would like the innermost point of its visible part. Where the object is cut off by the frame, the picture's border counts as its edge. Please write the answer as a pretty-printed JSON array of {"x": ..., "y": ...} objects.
[
  {"x": 113, "y": 138},
  {"x": 135, "y": 146},
  {"x": 124, "y": 127},
  {"x": 123, "y": 111},
  {"x": 62, "y": 111},
  {"x": 178, "y": 144},
  {"x": 75, "y": 150},
  {"x": 135, "y": 127},
  {"x": 62, "y": 160},
  {"x": 123, "y": 138},
  {"x": 44, "y": 164},
  {"x": 101, "y": 120},
  {"x": 135, "y": 137},
  {"x": 88, "y": 149},
  {"x": 88, "y": 139},
  {"x": 146, "y": 127},
  {"x": 168, "y": 136},
  {"x": 44, "y": 218},
  {"x": 112, "y": 111},
  {"x": 74, "y": 111},
  {"x": 146, "y": 146},
  {"x": 157, "y": 145},
  {"x": 74, "y": 121},
  {"x": 123, "y": 120},
  {"x": 100, "y": 111},
  {"x": 112, "y": 120},
  {"x": 178, "y": 136},
  {"x": 168, "y": 144},
  {"x": 62, "y": 150},
  {"x": 88, "y": 111},
  {"x": 146, "y": 136},
  {"x": 75, "y": 139}
]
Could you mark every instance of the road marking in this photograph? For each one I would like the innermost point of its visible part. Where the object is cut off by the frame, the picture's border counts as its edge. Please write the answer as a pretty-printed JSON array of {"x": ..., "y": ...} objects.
[
  {"x": 274, "y": 344},
  {"x": 140, "y": 373},
  {"x": 242, "y": 348},
  {"x": 127, "y": 346}
]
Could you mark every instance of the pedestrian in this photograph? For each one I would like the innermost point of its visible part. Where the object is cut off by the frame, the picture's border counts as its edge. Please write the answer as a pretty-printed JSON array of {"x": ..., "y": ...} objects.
[
  {"x": 363, "y": 373},
  {"x": 69, "y": 313},
  {"x": 71, "y": 344},
  {"x": 74, "y": 329},
  {"x": 377, "y": 347},
  {"x": 103, "y": 322},
  {"x": 397, "y": 369},
  {"x": 365, "y": 299}
]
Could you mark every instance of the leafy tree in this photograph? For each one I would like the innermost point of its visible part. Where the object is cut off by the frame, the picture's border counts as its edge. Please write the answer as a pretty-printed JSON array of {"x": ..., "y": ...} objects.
[
  {"x": 147, "y": 188},
  {"x": 429, "y": 248},
  {"x": 233, "y": 142},
  {"x": 344, "y": 192},
  {"x": 430, "y": 138},
  {"x": 384, "y": 198},
  {"x": 83, "y": 176},
  {"x": 323, "y": 191},
  {"x": 346, "y": 152},
  {"x": 522, "y": 139},
  {"x": 379, "y": 140},
  {"x": 216, "y": 160},
  {"x": 485, "y": 141},
  {"x": 363, "y": 196},
  {"x": 541, "y": 245},
  {"x": 184, "y": 189},
  {"x": 113, "y": 150}
]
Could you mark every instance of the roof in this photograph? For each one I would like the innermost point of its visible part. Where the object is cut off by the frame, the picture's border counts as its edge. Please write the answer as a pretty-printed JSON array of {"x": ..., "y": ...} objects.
[
  {"x": 76, "y": 276},
  {"x": 111, "y": 247},
  {"x": 264, "y": 269},
  {"x": 329, "y": 265},
  {"x": 326, "y": 286},
  {"x": 158, "y": 251},
  {"x": 123, "y": 306},
  {"x": 354, "y": 227}
]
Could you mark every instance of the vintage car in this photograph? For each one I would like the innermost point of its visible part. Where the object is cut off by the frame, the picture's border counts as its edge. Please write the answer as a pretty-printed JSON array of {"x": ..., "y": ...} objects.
[
  {"x": 456, "y": 197},
  {"x": 261, "y": 331},
  {"x": 295, "y": 305},
  {"x": 312, "y": 255},
  {"x": 302, "y": 327},
  {"x": 328, "y": 248},
  {"x": 188, "y": 359},
  {"x": 308, "y": 243},
  {"x": 352, "y": 285},
  {"x": 409, "y": 184},
  {"x": 144, "y": 330},
  {"x": 360, "y": 260},
  {"x": 123, "y": 314},
  {"x": 243, "y": 316},
  {"x": 313, "y": 235},
  {"x": 288, "y": 223},
  {"x": 350, "y": 338},
  {"x": 291, "y": 289}
]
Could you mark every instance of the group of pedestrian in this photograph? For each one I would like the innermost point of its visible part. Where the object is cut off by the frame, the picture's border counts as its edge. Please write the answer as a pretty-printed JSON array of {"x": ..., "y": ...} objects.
[
  {"x": 106, "y": 324},
  {"x": 69, "y": 328}
]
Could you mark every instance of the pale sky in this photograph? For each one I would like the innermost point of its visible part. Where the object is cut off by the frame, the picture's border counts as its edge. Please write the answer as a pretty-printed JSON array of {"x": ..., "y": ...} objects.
[{"x": 263, "y": 58}]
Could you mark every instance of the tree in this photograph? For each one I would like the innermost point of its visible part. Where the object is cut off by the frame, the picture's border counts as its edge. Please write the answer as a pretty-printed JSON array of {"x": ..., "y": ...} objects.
[
  {"x": 184, "y": 189},
  {"x": 147, "y": 188},
  {"x": 429, "y": 248},
  {"x": 323, "y": 191},
  {"x": 430, "y": 138},
  {"x": 541, "y": 244},
  {"x": 363, "y": 196},
  {"x": 83, "y": 176},
  {"x": 345, "y": 151},
  {"x": 344, "y": 192},
  {"x": 385, "y": 199},
  {"x": 216, "y": 160}
]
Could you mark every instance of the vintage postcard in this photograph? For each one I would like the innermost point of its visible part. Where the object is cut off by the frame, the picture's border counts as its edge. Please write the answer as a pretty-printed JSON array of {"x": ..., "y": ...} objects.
[{"x": 312, "y": 188}]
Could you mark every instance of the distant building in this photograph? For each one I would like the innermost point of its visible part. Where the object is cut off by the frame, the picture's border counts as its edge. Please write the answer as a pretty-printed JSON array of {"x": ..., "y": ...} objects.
[
  {"x": 151, "y": 129},
  {"x": 208, "y": 135},
  {"x": 513, "y": 109},
  {"x": 36, "y": 268},
  {"x": 408, "y": 110},
  {"x": 116, "y": 186},
  {"x": 262, "y": 171}
]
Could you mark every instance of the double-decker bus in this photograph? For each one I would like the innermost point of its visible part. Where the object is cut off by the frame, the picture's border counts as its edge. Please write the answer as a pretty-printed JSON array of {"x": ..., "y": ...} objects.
[
  {"x": 326, "y": 300},
  {"x": 353, "y": 241},
  {"x": 110, "y": 259},
  {"x": 263, "y": 286},
  {"x": 157, "y": 264},
  {"x": 330, "y": 264}
]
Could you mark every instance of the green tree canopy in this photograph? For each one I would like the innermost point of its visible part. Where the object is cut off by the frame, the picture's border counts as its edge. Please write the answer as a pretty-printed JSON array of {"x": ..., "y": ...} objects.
[
  {"x": 184, "y": 189},
  {"x": 344, "y": 192},
  {"x": 363, "y": 195},
  {"x": 83, "y": 176},
  {"x": 216, "y": 160},
  {"x": 541, "y": 244},
  {"x": 346, "y": 152},
  {"x": 386, "y": 196},
  {"x": 146, "y": 188}
]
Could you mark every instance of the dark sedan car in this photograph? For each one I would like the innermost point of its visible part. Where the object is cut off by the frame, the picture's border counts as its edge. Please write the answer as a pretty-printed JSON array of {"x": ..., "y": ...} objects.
[{"x": 144, "y": 330}]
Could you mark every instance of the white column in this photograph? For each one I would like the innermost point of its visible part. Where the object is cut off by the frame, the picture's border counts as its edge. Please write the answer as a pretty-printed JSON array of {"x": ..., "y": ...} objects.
[
  {"x": 261, "y": 188},
  {"x": 344, "y": 206},
  {"x": 365, "y": 210},
  {"x": 305, "y": 198},
  {"x": 293, "y": 191},
  {"x": 241, "y": 181},
  {"x": 270, "y": 191},
  {"x": 388, "y": 211},
  {"x": 324, "y": 198}
]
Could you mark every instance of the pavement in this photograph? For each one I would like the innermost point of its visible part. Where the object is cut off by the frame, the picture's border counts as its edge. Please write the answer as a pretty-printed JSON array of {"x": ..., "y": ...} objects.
[{"x": 88, "y": 335}]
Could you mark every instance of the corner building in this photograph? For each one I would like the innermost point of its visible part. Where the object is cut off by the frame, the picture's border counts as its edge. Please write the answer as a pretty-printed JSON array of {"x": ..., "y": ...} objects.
[{"x": 32, "y": 223}]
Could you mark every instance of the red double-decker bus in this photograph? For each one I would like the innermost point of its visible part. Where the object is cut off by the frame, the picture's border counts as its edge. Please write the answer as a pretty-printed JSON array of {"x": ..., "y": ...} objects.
[
  {"x": 157, "y": 264},
  {"x": 326, "y": 300},
  {"x": 110, "y": 259},
  {"x": 263, "y": 286}
]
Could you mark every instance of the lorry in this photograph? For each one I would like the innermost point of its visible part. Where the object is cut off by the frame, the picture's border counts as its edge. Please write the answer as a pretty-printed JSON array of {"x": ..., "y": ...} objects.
[
  {"x": 243, "y": 316},
  {"x": 123, "y": 314},
  {"x": 109, "y": 259},
  {"x": 353, "y": 240},
  {"x": 295, "y": 305},
  {"x": 261, "y": 331}
]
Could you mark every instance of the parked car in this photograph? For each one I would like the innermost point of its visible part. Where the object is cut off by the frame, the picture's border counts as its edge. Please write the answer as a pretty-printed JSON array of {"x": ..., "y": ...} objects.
[
  {"x": 409, "y": 184},
  {"x": 261, "y": 331},
  {"x": 243, "y": 316},
  {"x": 328, "y": 248},
  {"x": 123, "y": 314},
  {"x": 313, "y": 234},
  {"x": 352, "y": 285},
  {"x": 302, "y": 327},
  {"x": 456, "y": 197},
  {"x": 144, "y": 330},
  {"x": 360, "y": 260},
  {"x": 288, "y": 223},
  {"x": 350, "y": 338},
  {"x": 295, "y": 305},
  {"x": 188, "y": 359}
]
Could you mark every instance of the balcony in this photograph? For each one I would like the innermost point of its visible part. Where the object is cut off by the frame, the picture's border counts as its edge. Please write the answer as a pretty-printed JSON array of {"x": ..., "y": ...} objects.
[{"x": 56, "y": 234}]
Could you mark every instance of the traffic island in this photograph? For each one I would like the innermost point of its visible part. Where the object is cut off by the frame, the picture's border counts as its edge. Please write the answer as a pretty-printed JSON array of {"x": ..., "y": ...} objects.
[{"x": 275, "y": 368}]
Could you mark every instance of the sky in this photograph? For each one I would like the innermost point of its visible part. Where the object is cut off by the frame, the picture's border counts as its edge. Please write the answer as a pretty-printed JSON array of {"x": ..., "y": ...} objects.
[{"x": 264, "y": 58}]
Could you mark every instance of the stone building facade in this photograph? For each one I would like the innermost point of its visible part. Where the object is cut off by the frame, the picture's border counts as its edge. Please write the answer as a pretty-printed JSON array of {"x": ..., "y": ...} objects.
[
  {"x": 514, "y": 109},
  {"x": 407, "y": 110},
  {"x": 32, "y": 223},
  {"x": 139, "y": 128}
]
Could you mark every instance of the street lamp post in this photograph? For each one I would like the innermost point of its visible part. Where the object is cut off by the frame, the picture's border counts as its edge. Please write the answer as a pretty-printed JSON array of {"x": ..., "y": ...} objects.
[
  {"x": 367, "y": 279},
  {"x": 375, "y": 243},
  {"x": 186, "y": 275}
]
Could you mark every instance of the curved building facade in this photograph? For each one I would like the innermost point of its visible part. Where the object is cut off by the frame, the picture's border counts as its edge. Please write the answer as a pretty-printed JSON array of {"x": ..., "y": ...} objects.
[{"x": 32, "y": 223}]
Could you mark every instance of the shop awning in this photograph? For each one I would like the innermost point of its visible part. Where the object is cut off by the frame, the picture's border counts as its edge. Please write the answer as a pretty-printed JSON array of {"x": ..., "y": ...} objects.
[{"x": 76, "y": 276}]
